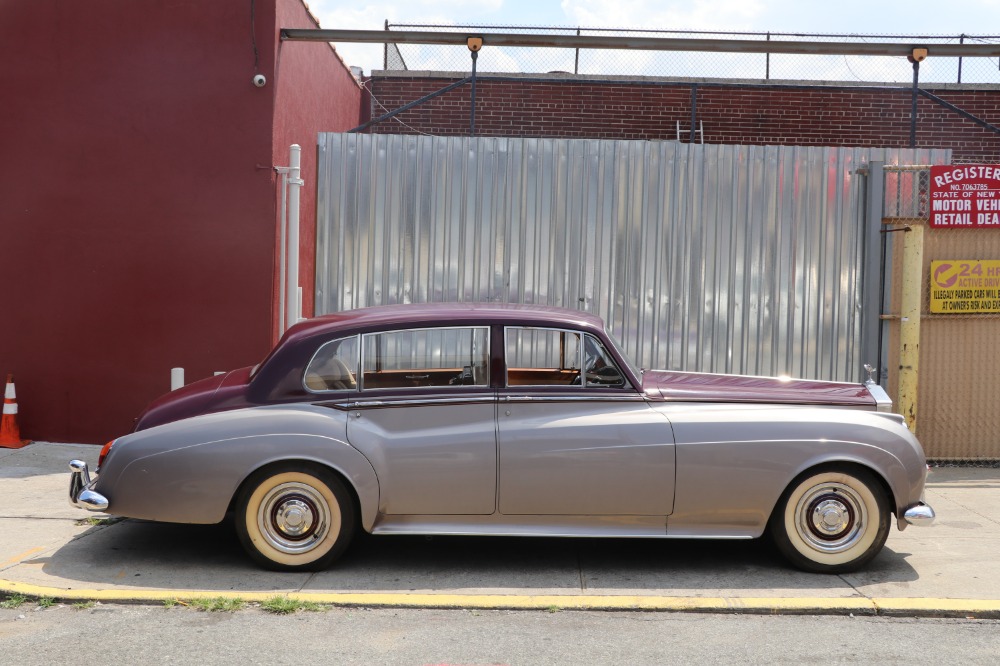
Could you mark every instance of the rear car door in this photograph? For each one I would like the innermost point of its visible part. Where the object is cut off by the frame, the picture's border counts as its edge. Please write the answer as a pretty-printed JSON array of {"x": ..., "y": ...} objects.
[{"x": 426, "y": 420}]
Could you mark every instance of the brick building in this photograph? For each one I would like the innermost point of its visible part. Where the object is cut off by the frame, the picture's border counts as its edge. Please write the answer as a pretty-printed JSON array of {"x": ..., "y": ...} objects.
[
  {"x": 741, "y": 112},
  {"x": 140, "y": 219}
]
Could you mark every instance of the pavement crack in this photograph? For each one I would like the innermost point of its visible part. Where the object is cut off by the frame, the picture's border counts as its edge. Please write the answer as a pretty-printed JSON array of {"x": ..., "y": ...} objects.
[
  {"x": 970, "y": 509},
  {"x": 307, "y": 581},
  {"x": 854, "y": 587}
]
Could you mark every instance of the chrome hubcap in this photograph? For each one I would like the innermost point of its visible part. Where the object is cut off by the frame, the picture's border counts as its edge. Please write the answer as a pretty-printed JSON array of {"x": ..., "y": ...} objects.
[
  {"x": 831, "y": 517},
  {"x": 293, "y": 517}
]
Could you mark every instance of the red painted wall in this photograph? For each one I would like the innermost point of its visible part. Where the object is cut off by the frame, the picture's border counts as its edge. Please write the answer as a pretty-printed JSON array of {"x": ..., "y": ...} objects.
[
  {"x": 315, "y": 92},
  {"x": 577, "y": 107},
  {"x": 139, "y": 203}
]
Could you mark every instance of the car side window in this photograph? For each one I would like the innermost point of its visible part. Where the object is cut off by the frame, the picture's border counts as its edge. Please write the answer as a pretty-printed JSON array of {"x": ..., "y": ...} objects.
[
  {"x": 426, "y": 358},
  {"x": 554, "y": 357},
  {"x": 334, "y": 367},
  {"x": 543, "y": 357}
]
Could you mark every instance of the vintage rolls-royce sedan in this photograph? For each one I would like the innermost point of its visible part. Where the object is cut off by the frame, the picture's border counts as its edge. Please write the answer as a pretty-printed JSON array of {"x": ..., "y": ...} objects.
[{"x": 474, "y": 419}]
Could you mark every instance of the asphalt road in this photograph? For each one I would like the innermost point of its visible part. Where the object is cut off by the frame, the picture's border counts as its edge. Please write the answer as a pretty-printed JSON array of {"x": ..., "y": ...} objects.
[{"x": 123, "y": 634}]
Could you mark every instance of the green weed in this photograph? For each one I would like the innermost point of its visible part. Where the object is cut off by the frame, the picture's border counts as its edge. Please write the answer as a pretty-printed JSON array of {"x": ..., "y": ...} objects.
[{"x": 218, "y": 604}]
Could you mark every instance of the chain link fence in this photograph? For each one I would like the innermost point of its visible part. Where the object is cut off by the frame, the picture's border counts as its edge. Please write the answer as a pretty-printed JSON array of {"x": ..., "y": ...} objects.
[
  {"x": 957, "y": 423},
  {"x": 616, "y": 62}
]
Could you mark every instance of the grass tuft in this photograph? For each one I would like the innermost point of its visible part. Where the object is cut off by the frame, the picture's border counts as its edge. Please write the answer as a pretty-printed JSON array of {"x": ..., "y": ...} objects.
[
  {"x": 218, "y": 604},
  {"x": 280, "y": 605},
  {"x": 13, "y": 601}
]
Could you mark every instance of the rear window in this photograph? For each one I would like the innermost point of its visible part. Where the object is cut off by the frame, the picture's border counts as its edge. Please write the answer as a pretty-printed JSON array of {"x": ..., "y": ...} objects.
[{"x": 334, "y": 367}]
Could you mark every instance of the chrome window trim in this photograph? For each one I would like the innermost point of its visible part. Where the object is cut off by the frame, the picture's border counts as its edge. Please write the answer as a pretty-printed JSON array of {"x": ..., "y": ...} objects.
[
  {"x": 365, "y": 336},
  {"x": 506, "y": 348},
  {"x": 626, "y": 384}
]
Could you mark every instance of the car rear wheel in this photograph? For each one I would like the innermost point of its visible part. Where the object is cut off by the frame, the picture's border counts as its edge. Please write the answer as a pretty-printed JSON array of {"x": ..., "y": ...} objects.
[
  {"x": 294, "y": 517},
  {"x": 832, "y": 520}
]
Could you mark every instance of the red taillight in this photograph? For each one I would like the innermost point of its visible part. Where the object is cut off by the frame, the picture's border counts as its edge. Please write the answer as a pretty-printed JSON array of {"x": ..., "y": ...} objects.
[{"x": 104, "y": 453}]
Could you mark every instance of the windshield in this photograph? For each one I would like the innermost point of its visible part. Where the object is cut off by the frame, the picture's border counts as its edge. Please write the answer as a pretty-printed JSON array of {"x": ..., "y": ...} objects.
[{"x": 621, "y": 352}]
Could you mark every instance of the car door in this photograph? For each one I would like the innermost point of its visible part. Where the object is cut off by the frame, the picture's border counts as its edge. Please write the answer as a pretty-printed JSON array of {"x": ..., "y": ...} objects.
[
  {"x": 426, "y": 420},
  {"x": 574, "y": 437}
]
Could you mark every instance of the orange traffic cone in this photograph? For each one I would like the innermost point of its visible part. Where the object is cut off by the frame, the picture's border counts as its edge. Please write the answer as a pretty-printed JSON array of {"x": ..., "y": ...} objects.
[{"x": 10, "y": 436}]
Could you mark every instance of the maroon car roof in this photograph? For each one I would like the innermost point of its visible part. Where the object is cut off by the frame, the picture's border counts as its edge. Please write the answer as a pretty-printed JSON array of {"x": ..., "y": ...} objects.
[{"x": 423, "y": 313}]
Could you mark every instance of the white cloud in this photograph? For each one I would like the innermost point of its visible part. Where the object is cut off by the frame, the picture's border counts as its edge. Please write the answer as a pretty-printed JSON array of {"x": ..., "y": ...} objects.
[
  {"x": 665, "y": 15},
  {"x": 806, "y": 16}
]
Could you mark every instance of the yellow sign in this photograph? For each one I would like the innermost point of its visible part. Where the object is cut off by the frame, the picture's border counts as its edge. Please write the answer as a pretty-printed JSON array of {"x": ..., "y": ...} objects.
[{"x": 965, "y": 286}]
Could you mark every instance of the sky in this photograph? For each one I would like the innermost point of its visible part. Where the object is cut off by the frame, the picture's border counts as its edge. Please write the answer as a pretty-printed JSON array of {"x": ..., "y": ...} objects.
[{"x": 865, "y": 17}]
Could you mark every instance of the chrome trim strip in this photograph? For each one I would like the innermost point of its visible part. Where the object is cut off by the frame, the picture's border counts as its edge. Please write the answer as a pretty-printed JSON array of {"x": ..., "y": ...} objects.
[
  {"x": 573, "y": 398},
  {"x": 409, "y": 402},
  {"x": 543, "y": 526}
]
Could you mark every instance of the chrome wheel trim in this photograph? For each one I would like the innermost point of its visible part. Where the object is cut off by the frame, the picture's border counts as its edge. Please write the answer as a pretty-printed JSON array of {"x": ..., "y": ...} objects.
[
  {"x": 831, "y": 517},
  {"x": 294, "y": 518}
]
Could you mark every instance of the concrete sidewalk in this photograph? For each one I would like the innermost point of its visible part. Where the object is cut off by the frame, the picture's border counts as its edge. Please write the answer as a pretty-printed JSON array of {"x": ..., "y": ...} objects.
[{"x": 48, "y": 548}]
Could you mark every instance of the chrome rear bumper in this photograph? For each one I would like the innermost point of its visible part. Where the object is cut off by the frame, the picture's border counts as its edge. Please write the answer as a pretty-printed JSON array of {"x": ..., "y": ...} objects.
[
  {"x": 919, "y": 514},
  {"x": 80, "y": 494}
]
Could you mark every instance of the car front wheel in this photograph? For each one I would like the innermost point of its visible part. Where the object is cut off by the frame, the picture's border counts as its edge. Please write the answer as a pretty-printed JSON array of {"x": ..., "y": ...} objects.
[
  {"x": 832, "y": 520},
  {"x": 294, "y": 517}
]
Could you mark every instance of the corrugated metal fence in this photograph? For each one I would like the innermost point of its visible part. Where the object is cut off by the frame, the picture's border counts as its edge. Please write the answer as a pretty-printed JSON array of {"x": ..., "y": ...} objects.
[{"x": 715, "y": 258}]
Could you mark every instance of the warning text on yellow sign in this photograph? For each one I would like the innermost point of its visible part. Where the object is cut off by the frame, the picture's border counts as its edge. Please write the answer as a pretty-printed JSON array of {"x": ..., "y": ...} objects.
[{"x": 965, "y": 286}]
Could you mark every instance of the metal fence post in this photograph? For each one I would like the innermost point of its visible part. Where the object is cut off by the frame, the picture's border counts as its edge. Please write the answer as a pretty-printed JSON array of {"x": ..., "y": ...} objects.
[
  {"x": 913, "y": 104},
  {"x": 961, "y": 40},
  {"x": 909, "y": 323},
  {"x": 767, "y": 61},
  {"x": 472, "y": 109},
  {"x": 872, "y": 271},
  {"x": 576, "y": 59}
]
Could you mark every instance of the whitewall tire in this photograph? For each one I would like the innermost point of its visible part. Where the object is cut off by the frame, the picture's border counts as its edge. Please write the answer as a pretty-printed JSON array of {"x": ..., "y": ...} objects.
[
  {"x": 294, "y": 517},
  {"x": 832, "y": 520}
]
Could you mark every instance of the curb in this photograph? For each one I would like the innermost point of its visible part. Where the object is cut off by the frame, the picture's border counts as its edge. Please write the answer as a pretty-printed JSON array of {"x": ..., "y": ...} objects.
[{"x": 890, "y": 607}]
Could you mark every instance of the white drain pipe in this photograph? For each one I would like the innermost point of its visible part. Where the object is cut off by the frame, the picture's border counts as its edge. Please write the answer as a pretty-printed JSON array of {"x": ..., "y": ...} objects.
[
  {"x": 289, "y": 292},
  {"x": 295, "y": 182}
]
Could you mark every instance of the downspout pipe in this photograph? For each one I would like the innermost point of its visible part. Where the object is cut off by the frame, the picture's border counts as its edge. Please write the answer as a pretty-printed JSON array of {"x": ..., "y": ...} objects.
[{"x": 293, "y": 307}]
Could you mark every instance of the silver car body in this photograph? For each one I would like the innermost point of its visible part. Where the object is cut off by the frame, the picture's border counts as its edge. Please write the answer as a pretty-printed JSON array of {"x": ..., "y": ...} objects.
[{"x": 513, "y": 460}]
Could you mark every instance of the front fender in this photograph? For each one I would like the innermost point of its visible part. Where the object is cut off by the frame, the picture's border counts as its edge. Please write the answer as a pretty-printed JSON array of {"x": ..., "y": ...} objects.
[{"x": 734, "y": 461}]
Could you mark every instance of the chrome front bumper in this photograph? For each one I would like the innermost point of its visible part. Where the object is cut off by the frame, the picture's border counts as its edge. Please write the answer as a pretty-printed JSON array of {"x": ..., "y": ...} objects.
[
  {"x": 80, "y": 494},
  {"x": 919, "y": 514}
]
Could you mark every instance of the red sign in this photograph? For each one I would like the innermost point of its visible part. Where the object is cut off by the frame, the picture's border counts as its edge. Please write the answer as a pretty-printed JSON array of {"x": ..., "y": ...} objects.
[{"x": 965, "y": 196}]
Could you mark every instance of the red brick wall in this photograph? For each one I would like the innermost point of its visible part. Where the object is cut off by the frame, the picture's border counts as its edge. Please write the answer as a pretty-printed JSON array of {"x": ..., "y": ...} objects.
[
  {"x": 849, "y": 116},
  {"x": 137, "y": 199}
]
